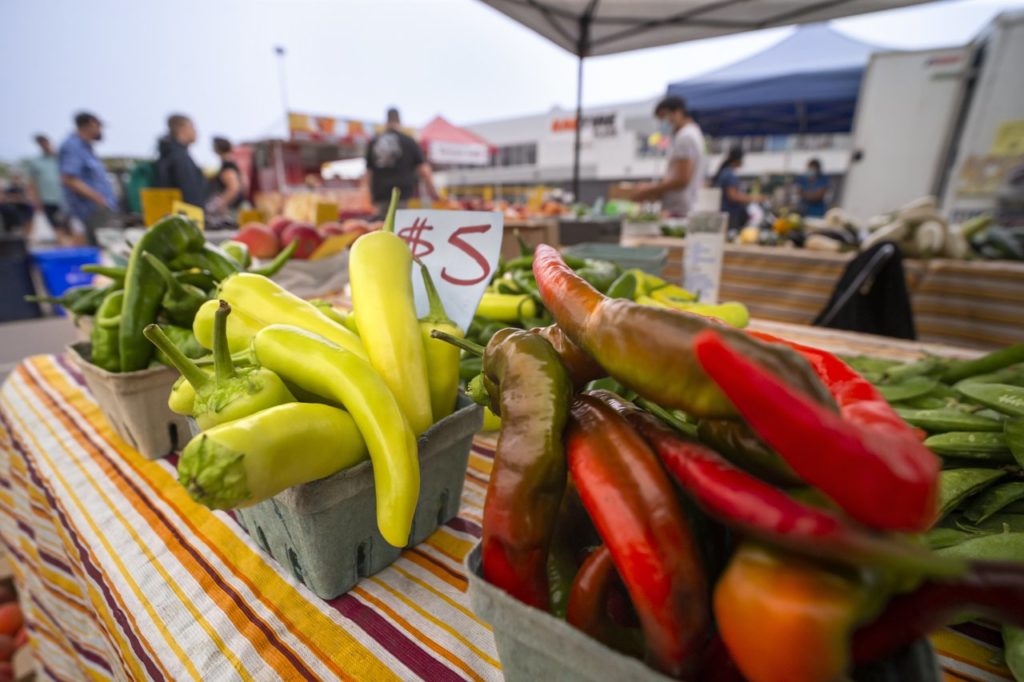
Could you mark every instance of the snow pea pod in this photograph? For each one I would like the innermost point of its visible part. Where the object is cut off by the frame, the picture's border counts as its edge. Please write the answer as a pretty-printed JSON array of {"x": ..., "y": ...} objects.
[{"x": 956, "y": 485}]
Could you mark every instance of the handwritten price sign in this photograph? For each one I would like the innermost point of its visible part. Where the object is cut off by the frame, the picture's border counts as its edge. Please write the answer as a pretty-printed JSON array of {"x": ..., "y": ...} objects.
[{"x": 460, "y": 248}]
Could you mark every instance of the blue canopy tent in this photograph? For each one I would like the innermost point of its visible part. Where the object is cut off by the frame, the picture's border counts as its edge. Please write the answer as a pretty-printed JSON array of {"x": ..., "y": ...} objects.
[{"x": 807, "y": 83}]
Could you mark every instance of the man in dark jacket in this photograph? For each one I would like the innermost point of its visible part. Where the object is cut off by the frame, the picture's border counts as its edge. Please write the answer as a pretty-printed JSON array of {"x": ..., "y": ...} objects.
[{"x": 175, "y": 168}]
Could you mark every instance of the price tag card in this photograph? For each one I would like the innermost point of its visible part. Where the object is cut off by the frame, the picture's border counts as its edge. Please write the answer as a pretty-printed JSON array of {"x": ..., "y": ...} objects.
[
  {"x": 702, "y": 257},
  {"x": 326, "y": 212},
  {"x": 460, "y": 248},
  {"x": 191, "y": 212}
]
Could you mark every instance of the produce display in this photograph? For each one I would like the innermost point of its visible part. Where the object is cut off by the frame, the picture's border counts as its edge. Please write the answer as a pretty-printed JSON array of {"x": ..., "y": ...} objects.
[
  {"x": 725, "y": 504},
  {"x": 265, "y": 241},
  {"x": 306, "y": 379}
]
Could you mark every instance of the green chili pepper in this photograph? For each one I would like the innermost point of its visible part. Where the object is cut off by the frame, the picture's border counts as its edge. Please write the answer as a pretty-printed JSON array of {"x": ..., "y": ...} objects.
[
  {"x": 232, "y": 393},
  {"x": 238, "y": 252},
  {"x": 624, "y": 286},
  {"x": 948, "y": 420},
  {"x": 911, "y": 388},
  {"x": 67, "y": 299},
  {"x": 185, "y": 340},
  {"x": 992, "y": 362},
  {"x": 1001, "y": 397},
  {"x": 144, "y": 289},
  {"x": 279, "y": 261},
  {"x": 600, "y": 274},
  {"x": 956, "y": 485},
  {"x": 180, "y": 301},
  {"x": 975, "y": 445},
  {"x": 197, "y": 278},
  {"x": 994, "y": 500},
  {"x": 104, "y": 334},
  {"x": 113, "y": 272}
]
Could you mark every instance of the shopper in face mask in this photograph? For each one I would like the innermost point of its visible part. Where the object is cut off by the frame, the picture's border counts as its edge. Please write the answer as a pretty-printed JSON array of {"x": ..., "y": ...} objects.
[
  {"x": 813, "y": 188},
  {"x": 685, "y": 173}
]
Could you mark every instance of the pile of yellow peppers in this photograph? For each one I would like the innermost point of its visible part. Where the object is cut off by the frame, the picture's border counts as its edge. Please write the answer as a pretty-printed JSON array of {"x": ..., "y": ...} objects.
[{"x": 362, "y": 384}]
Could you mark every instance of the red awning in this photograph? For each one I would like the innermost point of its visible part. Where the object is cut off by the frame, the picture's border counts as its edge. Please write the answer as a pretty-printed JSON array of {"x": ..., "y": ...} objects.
[{"x": 445, "y": 143}]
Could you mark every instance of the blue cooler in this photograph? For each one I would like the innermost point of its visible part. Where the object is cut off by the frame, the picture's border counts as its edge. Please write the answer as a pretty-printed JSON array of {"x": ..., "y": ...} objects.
[{"x": 62, "y": 268}]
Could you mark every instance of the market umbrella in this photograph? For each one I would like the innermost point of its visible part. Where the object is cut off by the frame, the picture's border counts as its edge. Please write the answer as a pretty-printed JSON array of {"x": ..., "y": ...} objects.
[
  {"x": 447, "y": 144},
  {"x": 601, "y": 27}
]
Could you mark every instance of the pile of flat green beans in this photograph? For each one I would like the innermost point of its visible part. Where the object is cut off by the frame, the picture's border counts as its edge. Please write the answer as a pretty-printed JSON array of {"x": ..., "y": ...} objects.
[{"x": 973, "y": 414}]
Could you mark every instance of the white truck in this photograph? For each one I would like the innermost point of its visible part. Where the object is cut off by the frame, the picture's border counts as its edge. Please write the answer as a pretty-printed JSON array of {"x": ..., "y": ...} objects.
[{"x": 943, "y": 122}]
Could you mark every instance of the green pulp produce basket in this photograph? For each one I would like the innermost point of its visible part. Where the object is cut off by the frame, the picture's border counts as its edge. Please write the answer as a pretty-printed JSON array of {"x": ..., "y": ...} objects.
[
  {"x": 650, "y": 259},
  {"x": 534, "y": 645},
  {"x": 325, "y": 532}
]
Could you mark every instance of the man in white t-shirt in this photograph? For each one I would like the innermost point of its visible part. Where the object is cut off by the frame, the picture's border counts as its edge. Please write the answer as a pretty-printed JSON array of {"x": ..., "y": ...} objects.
[{"x": 685, "y": 173}]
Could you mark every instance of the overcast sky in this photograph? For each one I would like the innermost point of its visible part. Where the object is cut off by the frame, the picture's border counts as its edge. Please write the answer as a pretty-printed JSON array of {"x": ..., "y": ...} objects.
[{"x": 135, "y": 62}]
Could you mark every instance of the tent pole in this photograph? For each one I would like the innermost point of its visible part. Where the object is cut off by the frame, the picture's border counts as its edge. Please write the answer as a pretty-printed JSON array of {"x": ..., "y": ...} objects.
[{"x": 579, "y": 124}]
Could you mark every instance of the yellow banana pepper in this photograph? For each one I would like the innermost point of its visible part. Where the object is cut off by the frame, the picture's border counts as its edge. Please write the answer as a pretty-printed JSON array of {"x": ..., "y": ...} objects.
[
  {"x": 732, "y": 313},
  {"x": 241, "y": 327},
  {"x": 506, "y": 307},
  {"x": 380, "y": 271},
  {"x": 442, "y": 357},
  {"x": 316, "y": 365},
  {"x": 266, "y": 302}
]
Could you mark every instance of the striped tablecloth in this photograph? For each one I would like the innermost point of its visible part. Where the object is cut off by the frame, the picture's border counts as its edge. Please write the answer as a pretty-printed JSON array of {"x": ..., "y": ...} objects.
[{"x": 122, "y": 576}]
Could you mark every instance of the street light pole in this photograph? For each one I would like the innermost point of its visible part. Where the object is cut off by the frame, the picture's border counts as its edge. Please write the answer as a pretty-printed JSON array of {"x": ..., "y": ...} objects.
[{"x": 280, "y": 52}]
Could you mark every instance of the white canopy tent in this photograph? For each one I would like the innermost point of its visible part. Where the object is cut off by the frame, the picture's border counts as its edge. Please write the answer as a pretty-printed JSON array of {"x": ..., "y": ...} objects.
[{"x": 590, "y": 28}]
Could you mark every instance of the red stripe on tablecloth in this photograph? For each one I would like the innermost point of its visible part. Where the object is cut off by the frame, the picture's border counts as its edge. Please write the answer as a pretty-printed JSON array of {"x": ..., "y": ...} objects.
[
  {"x": 94, "y": 573},
  {"x": 465, "y": 526},
  {"x": 391, "y": 638}
]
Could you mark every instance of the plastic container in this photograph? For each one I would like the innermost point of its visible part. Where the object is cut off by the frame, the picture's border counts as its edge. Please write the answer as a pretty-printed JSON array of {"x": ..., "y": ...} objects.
[
  {"x": 650, "y": 259},
  {"x": 15, "y": 281},
  {"x": 135, "y": 404},
  {"x": 325, "y": 532},
  {"x": 61, "y": 268},
  {"x": 534, "y": 645}
]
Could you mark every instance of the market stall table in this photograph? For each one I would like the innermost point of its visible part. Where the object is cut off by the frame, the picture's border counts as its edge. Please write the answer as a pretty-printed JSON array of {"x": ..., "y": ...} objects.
[
  {"x": 122, "y": 576},
  {"x": 965, "y": 303}
]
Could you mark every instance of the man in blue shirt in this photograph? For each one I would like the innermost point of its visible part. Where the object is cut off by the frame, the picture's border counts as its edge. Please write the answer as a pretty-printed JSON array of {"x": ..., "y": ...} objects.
[
  {"x": 90, "y": 196},
  {"x": 813, "y": 188}
]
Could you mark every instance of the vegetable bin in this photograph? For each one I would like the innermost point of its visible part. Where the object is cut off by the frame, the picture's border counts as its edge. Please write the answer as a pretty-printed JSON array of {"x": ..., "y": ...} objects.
[
  {"x": 534, "y": 645},
  {"x": 135, "y": 404},
  {"x": 325, "y": 532}
]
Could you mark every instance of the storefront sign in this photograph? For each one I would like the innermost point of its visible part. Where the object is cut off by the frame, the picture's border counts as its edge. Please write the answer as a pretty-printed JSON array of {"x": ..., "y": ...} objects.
[
  {"x": 460, "y": 248},
  {"x": 593, "y": 125},
  {"x": 702, "y": 257},
  {"x": 459, "y": 153}
]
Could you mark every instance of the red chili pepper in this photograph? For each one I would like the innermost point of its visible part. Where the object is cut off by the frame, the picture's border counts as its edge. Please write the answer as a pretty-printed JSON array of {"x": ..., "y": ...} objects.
[
  {"x": 990, "y": 588},
  {"x": 742, "y": 501},
  {"x": 650, "y": 350},
  {"x": 635, "y": 508},
  {"x": 878, "y": 472},
  {"x": 588, "y": 604}
]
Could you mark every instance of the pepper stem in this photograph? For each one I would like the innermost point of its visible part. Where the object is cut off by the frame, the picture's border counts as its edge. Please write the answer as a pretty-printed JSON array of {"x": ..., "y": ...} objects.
[
  {"x": 223, "y": 368},
  {"x": 173, "y": 285},
  {"x": 389, "y": 219},
  {"x": 468, "y": 346},
  {"x": 437, "y": 313},
  {"x": 272, "y": 268},
  {"x": 195, "y": 376}
]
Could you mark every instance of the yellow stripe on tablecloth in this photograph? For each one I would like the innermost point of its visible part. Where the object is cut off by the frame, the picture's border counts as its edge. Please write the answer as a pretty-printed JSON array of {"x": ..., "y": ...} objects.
[
  {"x": 203, "y": 578},
  {"x": 101, "y": 607},
  {"x": 447, "y": 599},
  {"x": 311, "y": 623},
  {"x": 111, "y": 552},
  {"x": 451, "y": 546}
]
